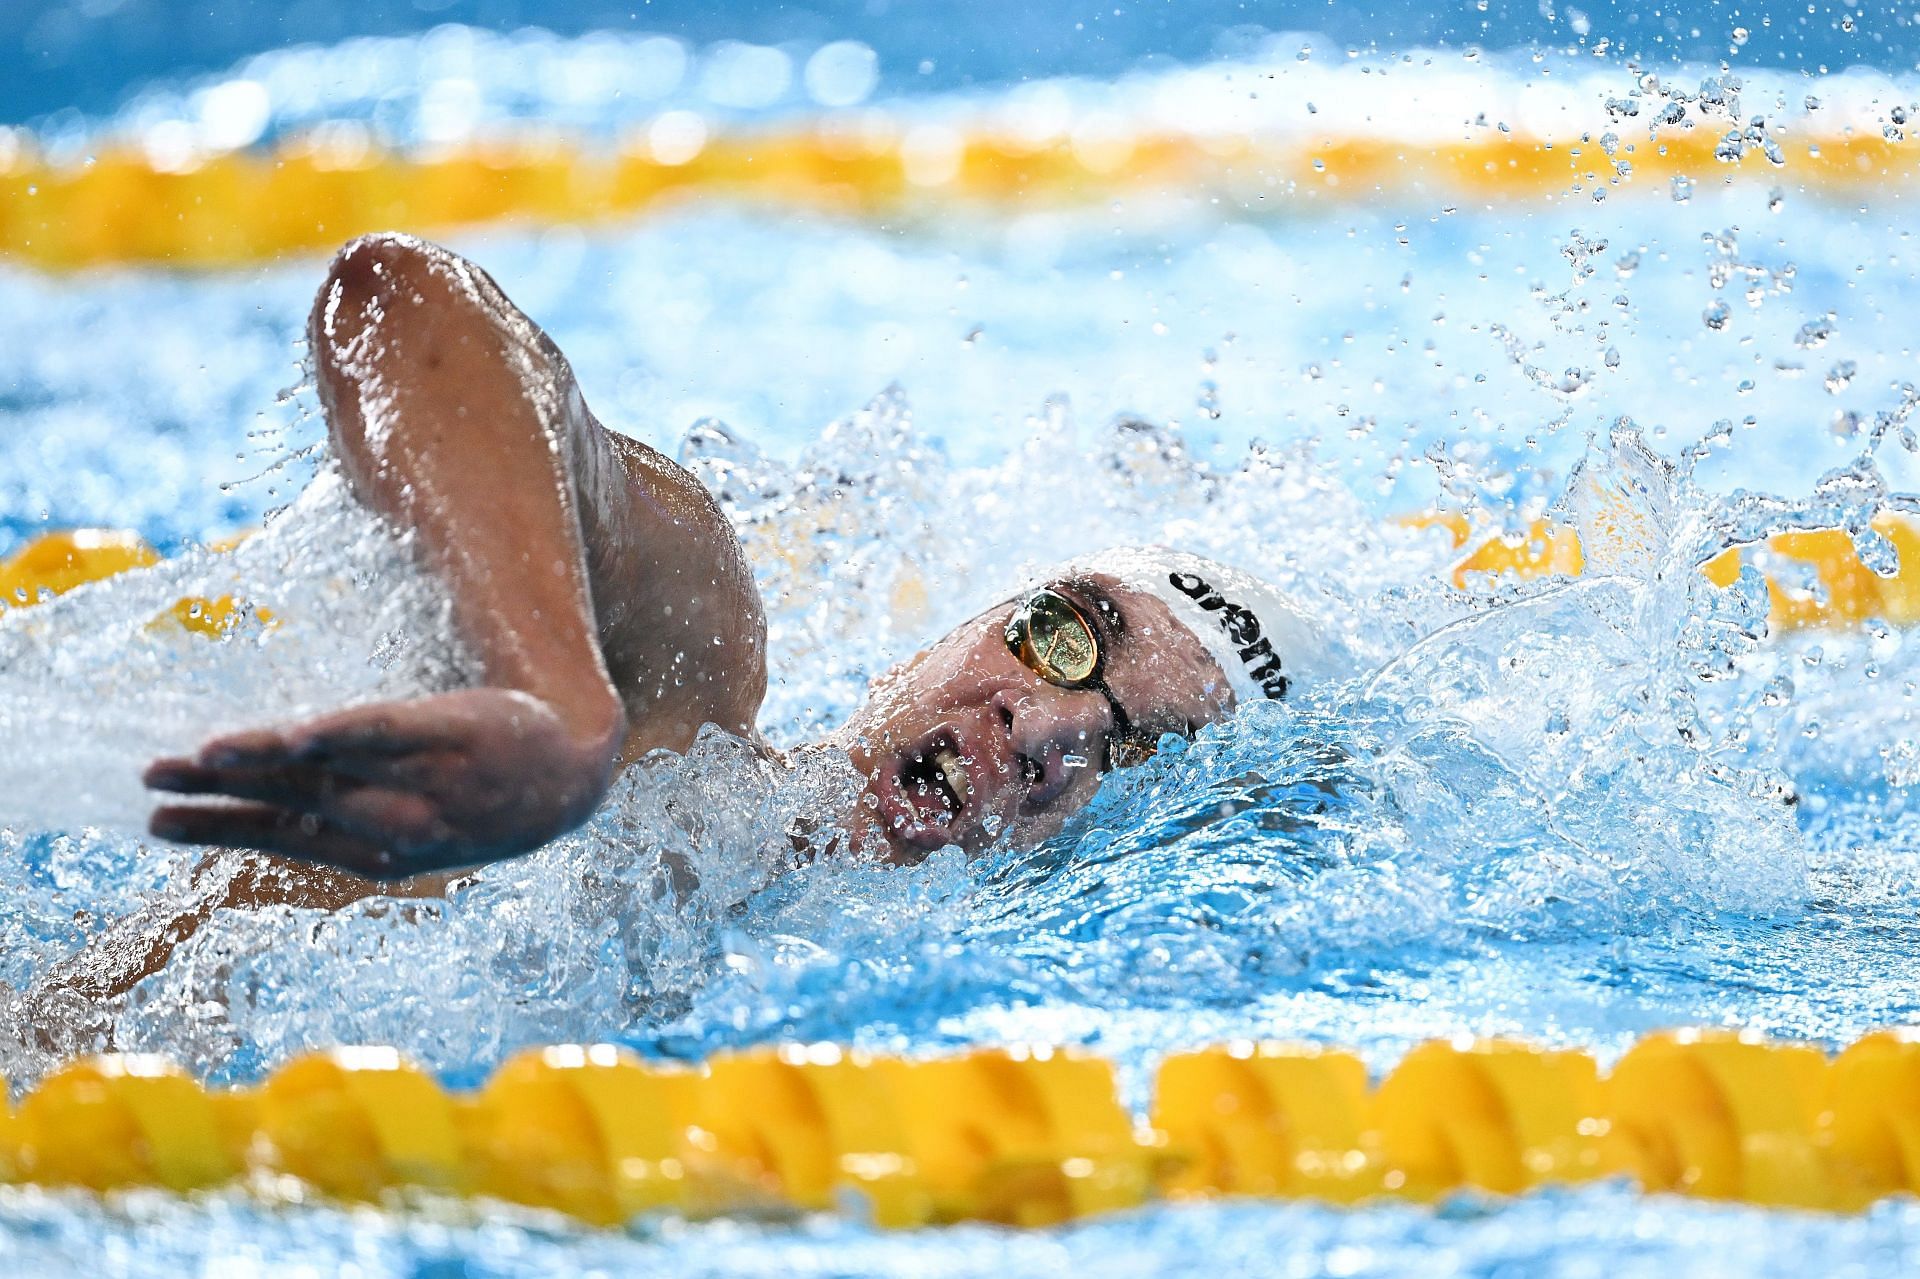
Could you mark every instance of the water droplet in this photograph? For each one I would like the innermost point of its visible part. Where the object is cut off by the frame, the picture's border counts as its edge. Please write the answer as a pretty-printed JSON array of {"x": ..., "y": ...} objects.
[
  {"x": 1717, "y": 314},
  {"x": 1814, "y": 333},
  {"x": 1877, "y": 552}
]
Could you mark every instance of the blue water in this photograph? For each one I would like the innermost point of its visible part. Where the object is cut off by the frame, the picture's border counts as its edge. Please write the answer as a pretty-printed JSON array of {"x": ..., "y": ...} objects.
[
  {"x": 90, "y": 55},
  {"x": 1598, "y": 1233},
  {"x": 1553, "y": 810}
]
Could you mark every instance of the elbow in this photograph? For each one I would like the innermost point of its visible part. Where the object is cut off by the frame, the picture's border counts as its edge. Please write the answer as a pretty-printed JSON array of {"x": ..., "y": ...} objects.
[{"x": 367, "y": 272}]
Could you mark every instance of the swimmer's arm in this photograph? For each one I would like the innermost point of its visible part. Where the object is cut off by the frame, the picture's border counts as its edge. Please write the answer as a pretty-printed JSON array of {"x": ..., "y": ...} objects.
[
  {"x": 564, "y": 551},
  {"x": 62, "y": 1013}
]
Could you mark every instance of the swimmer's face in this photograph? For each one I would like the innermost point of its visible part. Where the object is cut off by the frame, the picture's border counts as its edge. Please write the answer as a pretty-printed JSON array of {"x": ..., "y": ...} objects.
[{"x": 964, "y": 744}]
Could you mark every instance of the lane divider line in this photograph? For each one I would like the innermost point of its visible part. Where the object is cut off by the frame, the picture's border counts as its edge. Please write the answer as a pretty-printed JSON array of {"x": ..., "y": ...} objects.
[
  {"x": 314, "y": 192},
  {"x": 1814, "y": 579},
  {"x": 1028, "y": 1136}
]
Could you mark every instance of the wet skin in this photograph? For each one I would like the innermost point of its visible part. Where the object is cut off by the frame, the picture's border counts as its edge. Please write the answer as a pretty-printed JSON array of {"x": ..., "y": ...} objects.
[
  {"x": 613, "y": 613},
  {"x": 964, "y": 744}
]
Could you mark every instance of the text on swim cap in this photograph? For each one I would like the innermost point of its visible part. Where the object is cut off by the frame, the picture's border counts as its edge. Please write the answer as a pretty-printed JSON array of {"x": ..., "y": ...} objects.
[{"x": 1242, "y": 628}]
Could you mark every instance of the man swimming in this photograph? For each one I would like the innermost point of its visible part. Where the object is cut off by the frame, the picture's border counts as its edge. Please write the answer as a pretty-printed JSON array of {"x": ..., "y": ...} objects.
[{"x": 613, "y": 613}]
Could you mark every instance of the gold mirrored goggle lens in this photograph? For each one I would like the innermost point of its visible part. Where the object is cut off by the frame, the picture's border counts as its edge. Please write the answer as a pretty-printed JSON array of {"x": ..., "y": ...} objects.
[{"x": 1054, "y": 640}]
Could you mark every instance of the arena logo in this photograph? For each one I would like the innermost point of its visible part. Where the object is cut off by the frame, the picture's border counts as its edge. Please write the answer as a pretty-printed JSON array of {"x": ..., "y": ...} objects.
[{"x": 1242, "y": 627}]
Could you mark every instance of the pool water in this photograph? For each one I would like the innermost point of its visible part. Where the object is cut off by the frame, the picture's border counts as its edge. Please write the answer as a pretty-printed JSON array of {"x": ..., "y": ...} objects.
[{"x": 1570, "y": 811}]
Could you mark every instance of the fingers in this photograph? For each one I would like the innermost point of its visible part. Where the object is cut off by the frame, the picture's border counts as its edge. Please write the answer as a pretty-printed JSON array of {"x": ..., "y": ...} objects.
[
  {"x": 394, "y": 817},
  {"x": 257, "y": 747},
  {"x": 303, "y": 788},
  {"x": 302, "y": 836},
  {"x": 392, "y": 742},
  {"x": 390, "y": 728},
  {"x": 397, "y": 817},
  {"x": 371, "y": 733}
]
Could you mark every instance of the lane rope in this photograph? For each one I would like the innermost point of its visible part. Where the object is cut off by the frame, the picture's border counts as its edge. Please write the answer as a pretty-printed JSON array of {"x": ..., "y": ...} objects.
[
  {"x": 1815, "y": 579},
  {"x": 1020, "y": 1136},
  {"x": 309, "y": 194}
]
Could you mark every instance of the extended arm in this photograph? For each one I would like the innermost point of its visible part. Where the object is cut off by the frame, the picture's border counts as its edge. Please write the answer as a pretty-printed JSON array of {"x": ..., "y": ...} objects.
[{"x": 600, "y": 588}]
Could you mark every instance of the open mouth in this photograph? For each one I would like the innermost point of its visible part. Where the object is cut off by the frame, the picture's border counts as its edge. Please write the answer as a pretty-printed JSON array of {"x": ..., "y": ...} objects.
[{"x": 933, "y": 790}]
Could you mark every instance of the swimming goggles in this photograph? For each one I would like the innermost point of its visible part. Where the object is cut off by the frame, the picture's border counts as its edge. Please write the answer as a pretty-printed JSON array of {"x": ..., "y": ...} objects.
[{"x": 1053, "y": 639}]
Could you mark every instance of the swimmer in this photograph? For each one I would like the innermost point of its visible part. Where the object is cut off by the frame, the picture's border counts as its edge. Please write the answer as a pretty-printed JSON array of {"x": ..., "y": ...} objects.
[{"x": 613, "y": 613}]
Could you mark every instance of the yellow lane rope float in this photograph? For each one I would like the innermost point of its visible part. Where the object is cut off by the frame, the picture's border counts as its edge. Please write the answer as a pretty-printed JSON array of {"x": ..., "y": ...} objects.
[
  {"x": 1814, "y": 579},
  {"x": 310, "y": 194},
  {"x": 54, "y": 563},
  {"x": 1021, "y": 1136}
]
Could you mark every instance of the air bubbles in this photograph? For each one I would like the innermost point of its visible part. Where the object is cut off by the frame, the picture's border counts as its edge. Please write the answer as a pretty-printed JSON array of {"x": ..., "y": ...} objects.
[
  {"x": 1717, "y": 314},
  {"x": 1840, "y": 376}
]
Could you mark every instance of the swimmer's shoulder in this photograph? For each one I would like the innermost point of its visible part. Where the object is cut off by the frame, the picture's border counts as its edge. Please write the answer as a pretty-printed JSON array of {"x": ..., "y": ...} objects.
[{"x": 683, "y": 625}]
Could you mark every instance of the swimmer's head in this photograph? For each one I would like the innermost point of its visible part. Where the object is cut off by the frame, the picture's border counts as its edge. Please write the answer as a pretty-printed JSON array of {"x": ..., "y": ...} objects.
[{"x": 1004, "y": 727}]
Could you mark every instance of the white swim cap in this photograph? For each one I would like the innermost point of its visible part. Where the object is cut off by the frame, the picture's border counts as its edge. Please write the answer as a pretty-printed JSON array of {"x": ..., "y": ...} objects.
[{"x": 1263, "y": 641}]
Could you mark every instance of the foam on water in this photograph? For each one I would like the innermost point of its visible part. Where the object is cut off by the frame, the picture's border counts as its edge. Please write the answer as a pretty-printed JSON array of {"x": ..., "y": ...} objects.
[
  {"x": 1548, "y": 764},
  {"x": 1606, "y": 1230}
]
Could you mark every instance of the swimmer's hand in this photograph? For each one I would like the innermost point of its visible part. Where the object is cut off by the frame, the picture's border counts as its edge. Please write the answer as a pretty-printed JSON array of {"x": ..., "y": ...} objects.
[{"x": 398, "y": 788}]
